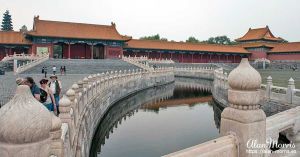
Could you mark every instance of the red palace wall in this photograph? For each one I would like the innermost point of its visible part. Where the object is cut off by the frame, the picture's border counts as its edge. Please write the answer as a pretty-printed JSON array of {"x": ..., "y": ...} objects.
[
  {"x": 113, "y": 52},
  {"x": 291, "y": 56},
  {"x": 255, "y": 55},
  {"x": 3, "y": 52},
  {"x": 80, "y": 51}
]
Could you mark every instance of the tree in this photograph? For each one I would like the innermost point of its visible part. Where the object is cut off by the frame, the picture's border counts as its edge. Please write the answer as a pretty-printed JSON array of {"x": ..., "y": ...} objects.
[
  {"x": 154, "y": 37},
  {"x": 6, "y": 22},
  {"x": 192, "y": 39},
  {"x": 222, "y": 40},
  {"x": 23, "y": 29}
]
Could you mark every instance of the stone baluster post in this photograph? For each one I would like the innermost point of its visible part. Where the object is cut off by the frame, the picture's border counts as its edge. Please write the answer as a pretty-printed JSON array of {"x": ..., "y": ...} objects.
[
  {"x": 269, "y": 87},
  {"x": 25, "y": 126},
  {"x": 57, "y": 146},
  {"x": 243, "y": 118},
  {"x": 290, "y": 91},
  {"x": 85, "y": 82},
  {"x": 80, "y": 86},
  {"x": 65, "y": 108}
]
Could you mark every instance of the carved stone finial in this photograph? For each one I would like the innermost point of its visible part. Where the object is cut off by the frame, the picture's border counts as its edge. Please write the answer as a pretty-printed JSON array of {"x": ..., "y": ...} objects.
[
  {"x": 75, "y": 87},
  {"x": 71, "y": 94},
  {"x": 25, "y": 126},
  {"x": 27, "y": 115},
  {"x": 244, "y": 82},
  {"x": 243, "y": 117},
  {"x": 291, "y": 81},
  {"x": 244, "y": 77}
]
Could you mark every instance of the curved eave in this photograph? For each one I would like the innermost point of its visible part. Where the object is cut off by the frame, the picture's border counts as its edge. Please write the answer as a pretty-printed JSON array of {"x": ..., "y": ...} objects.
[
  {"x": 25, "y": 44},
  {"x": 283, "y": 52},
  {"x": 34, "y": 35},
  {"x": 198, "y": 51},
  {"x": 250, "y": 40}
]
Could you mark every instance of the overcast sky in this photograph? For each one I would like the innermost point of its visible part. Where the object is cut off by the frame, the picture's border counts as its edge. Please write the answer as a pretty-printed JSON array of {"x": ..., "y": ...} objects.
[{"x": 173, "y": 19}]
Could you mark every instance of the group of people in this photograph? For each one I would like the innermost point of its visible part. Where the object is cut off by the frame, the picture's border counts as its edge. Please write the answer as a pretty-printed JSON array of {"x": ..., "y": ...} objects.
[
  {"x": 62, "y": 70},
  {"x": 48, "y": 93}
]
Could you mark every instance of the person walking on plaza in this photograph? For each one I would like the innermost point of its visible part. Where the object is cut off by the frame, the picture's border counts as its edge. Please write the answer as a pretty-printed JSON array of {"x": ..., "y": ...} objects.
[
  {"x": 64, "y": 69},
  {"x": 45, "y": 72},
  {"x": 61, "y": 70},
  {"x": 35, "y": 90},
  {"x": 55, "y": 87},
  {"x": 46, "y": 96},
  {"x": 54, "y": 69}
]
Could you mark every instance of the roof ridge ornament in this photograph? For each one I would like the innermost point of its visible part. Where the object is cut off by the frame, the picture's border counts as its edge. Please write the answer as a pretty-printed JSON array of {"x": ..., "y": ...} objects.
[{"x": 113, "y": 24}]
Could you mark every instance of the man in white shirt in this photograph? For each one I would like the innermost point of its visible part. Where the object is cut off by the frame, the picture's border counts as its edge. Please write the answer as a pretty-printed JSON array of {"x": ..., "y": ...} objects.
[
  {"x": 55, "y": 87},
  {"x": 54, "y": 69}
]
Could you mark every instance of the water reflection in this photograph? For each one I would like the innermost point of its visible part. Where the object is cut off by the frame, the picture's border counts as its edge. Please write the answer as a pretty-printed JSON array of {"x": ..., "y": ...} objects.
[{"x": 158, "y": 121}]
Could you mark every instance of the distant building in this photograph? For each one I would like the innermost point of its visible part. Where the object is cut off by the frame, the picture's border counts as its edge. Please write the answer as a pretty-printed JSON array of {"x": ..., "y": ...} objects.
[{"x": 90, "y": 41}]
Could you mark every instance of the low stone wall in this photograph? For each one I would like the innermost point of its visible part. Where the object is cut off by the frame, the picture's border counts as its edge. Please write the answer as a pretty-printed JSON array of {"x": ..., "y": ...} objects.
[
  {"x": 221, "y": 147},
  {"x": 21, "y": 68},
  {"x": 220, "y": 87},
  {"x": 90, "y": 98},
  {"x": 199, "y": 73}
]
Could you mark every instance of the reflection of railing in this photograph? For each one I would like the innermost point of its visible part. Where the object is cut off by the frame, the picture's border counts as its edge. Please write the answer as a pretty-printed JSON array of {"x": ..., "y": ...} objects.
[{"x": 30, "y": 64}]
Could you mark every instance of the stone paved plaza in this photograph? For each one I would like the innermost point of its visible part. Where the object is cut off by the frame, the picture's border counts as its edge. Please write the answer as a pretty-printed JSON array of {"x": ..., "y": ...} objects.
[{"x": 76, "y": 70}]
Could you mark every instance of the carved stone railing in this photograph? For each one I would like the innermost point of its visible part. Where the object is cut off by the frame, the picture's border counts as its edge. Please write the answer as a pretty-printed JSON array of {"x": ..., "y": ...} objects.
[
  {"x": 220, "y": 87},
  {"x": 225, "y": 146},
  {"x": 160, "y": 61},
  {"x": 288, "y": 94},
  {"x": 195, "y": 72},
  {"x": 243, "y": 119},
  {"x": 286, "y": 122},
  {"x": 140, "y": 62},
  {"x": 88, "y": 100},
  {"x": 21, "y": 56},
  {"x": 32, "y": 63}
]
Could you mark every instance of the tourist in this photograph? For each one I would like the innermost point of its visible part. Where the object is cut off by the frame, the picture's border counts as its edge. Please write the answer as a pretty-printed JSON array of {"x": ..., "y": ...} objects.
[
  {"x": 46, "y": 96},
  {"x": 45, "y": 72},
  {"x": 55, "y": 86},
  {"x": 61, "y": 70},
  {"x": 54, "y": 69},
  {"x": 64, "y": 68},
  {"x": 35, "y": 90}
]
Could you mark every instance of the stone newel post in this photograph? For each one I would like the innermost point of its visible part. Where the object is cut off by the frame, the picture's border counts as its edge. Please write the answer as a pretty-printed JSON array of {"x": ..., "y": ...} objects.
[
  {"x": 243, "y": 117},
  {"x": 25, "y": 126},
  {"x": 269, "y": 86},
  {"x": 290, "y": 91}
]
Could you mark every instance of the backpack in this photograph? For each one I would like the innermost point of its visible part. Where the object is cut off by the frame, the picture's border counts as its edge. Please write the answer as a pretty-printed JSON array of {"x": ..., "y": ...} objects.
[{"x": 43, "y": 95}]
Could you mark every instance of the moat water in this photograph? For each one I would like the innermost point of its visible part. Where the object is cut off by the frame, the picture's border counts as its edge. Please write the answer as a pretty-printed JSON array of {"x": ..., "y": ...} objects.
[{"x": 156, "y": 122}]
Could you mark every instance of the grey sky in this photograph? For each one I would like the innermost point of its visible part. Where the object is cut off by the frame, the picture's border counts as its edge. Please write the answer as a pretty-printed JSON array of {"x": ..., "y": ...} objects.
[{"x": 173, "y": 19}]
